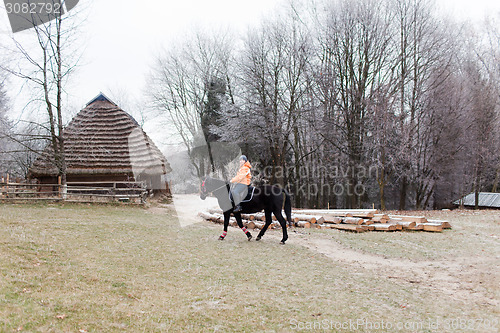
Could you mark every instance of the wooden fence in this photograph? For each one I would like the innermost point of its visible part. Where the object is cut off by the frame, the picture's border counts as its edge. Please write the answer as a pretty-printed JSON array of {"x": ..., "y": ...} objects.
[{"x": 133, "y": 192}]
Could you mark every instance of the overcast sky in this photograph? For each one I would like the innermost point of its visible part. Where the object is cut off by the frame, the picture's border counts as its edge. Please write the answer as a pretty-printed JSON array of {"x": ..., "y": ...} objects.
[{"x": 123, "y": 36}]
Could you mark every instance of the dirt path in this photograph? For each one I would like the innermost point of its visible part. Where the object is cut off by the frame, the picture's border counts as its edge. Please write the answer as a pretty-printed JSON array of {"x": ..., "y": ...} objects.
[
  {"x": 463, "y": 279},
  {"x": 466, "y": 279},
  {"x": 187, "y": 207}
]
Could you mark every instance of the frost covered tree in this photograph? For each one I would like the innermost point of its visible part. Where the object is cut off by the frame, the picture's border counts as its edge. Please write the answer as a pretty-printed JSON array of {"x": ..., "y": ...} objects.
[
  {"x": 4, "y": 127},
  {"x": 187, "y": 83},
  {"x": 45, "y": 57}
]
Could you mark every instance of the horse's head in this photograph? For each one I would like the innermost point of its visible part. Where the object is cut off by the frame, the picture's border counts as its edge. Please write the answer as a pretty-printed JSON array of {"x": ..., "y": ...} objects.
[{"x": 209, "y": 185}]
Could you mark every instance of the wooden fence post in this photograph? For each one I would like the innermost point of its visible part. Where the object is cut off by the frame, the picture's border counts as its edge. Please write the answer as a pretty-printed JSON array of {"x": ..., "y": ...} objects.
[
  {"x": 7, "y": 187},
  {"x": 59, "y": 181}
]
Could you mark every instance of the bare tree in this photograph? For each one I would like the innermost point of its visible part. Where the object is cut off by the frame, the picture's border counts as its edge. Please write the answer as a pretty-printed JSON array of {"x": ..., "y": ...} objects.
[
  {"x": 355, "y": 56},
  {"x": 423, "y": 61},
  {"x": 321, "y": 97},
  {"x": 182, "y": 82},
  {"x": 48, "y": 56},
  {"x": 490, "y": 58},
  {"x": 4, "y": 126}
]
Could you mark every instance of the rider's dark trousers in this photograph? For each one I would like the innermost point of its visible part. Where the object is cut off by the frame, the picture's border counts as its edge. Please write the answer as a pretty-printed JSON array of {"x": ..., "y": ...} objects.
[{"x": 239, "y": 191}]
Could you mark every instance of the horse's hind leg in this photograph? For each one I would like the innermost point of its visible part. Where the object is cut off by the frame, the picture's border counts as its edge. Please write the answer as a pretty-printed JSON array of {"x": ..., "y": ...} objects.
[
  {"x": 269, "y": 220},
  {"x": 226, "y": 224},
  {"x": 240, "y": 224},
  {"x": 282, "y": 222}
]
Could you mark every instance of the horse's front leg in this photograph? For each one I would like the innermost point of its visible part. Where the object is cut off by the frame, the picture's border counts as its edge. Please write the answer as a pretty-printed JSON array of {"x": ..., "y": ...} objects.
[
  {"x": 269, "y": 220},
  {"x": 226, "y": 224},
  {"x": 240, "y": 224}
]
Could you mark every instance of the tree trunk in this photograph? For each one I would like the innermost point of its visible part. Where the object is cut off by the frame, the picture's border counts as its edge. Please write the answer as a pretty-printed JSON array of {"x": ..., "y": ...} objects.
[
  {"x": 402, "y": 193},
  {"x": 495, "y": 183}
]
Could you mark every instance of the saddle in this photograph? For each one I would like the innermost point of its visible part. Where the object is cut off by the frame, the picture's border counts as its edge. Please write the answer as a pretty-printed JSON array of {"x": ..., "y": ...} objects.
[{"x": 249, "y": 196}]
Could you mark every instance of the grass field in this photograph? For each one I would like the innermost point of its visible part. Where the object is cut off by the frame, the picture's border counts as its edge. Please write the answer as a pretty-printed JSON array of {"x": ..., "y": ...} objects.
[{"x": 79, "y": 268}]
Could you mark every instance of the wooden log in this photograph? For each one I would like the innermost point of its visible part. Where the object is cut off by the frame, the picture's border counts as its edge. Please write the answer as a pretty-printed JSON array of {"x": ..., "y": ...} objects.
[
  {"x": 416, "y": 219},
  {"x": 361, "y": 215},
  {"x": 303, "y": 224},
  {"x": 259, "y": 225},
  {"x": 407, "y": 225},
  {"x": 215, "y": 211},
  {"x": 417, "y": 227},
  {"x": 335, "y": 212},
  {"x": 444, "y": 224},
  {"x": 434, "y": 227},
  {"x": 384, "y": 227},
  {"x": 368, "y": 227},
  {"x": 249, "y": 217},
  {"x": 251, "y": 225},
  {"x": 332, "y": 219},
  {"x": 310, "y": 218},
  {"x": 380, "y": 218},
  {"x": 367, "y": 222},
  {"x": 210, "y": 217},
  {"x": 352, "y": 220},
  {"x": 348, "y": 227},
  {"x": 259, "y": 216}
]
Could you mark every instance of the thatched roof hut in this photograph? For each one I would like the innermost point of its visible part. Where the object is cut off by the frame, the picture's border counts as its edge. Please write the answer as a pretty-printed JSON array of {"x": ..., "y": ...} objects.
[{"x": 104, "y": 143}]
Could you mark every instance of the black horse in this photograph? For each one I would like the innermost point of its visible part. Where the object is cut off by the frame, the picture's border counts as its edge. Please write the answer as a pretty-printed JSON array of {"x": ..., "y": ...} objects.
[{"x": 269, "y": 198}]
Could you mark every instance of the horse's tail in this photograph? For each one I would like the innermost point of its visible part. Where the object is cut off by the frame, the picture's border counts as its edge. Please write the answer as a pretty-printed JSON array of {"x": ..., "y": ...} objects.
[{"x": 288, "y": 207}]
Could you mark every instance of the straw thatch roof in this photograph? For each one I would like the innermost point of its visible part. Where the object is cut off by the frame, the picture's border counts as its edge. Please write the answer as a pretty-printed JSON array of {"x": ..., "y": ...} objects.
[{"x": 104, "y": 139}]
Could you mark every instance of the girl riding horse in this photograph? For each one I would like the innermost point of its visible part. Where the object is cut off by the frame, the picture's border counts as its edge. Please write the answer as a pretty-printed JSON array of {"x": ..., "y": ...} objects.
[{"x": 270, "y": 198}]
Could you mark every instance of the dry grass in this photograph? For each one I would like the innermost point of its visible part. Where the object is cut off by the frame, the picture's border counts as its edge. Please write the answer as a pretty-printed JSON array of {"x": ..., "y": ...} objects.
[
  {"x": 70, "y": 268},
  {"x": 474, "y": 234}
]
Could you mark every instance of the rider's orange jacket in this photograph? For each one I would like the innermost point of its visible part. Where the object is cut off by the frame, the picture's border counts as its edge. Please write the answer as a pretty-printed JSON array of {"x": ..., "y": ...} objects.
[{"x": 243, "y": 176}]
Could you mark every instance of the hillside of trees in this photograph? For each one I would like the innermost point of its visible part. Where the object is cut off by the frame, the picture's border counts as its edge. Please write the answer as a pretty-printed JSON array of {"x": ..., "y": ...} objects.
[{"x": 346, "y": 103}]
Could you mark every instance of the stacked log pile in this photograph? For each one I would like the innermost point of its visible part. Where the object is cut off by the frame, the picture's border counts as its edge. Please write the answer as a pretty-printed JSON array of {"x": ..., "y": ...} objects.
[{"x": 355, "y": 220}]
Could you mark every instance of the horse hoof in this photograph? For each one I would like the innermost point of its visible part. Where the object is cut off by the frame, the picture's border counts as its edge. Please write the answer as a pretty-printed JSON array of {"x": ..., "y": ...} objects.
[
  {"x": 249, "y": 235},
  {"x": 282, "y": 243},
  {"x": 258, "y": 238},
  {"x": 221, "y": 238}
]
